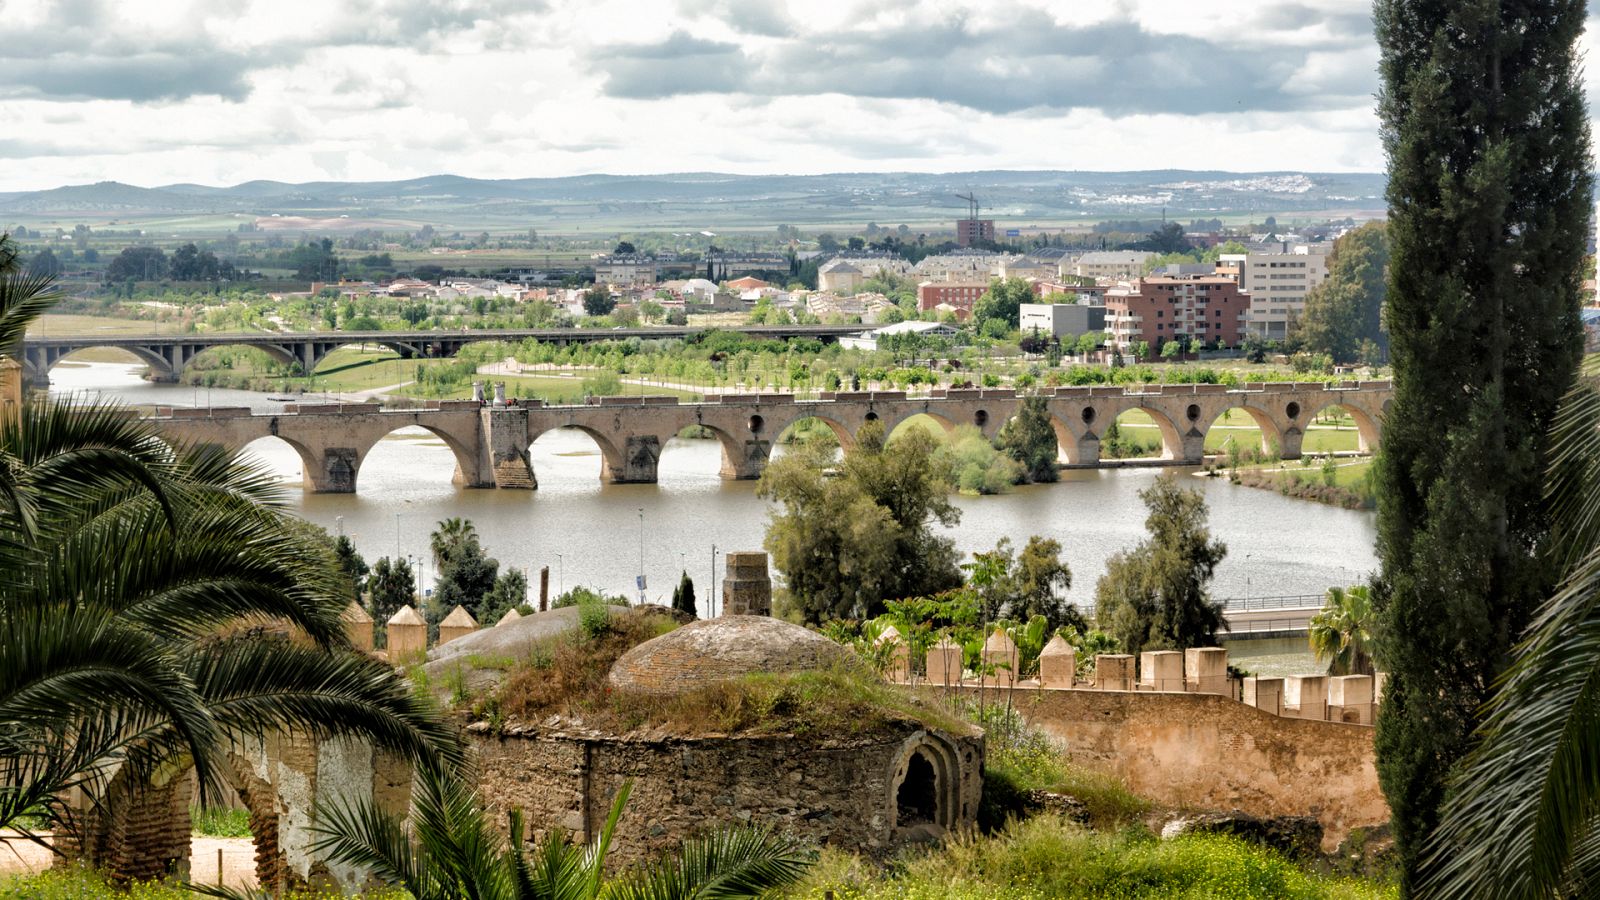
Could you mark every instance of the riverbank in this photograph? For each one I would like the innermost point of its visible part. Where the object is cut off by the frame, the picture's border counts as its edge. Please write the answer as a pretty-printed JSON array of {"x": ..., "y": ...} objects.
[{"x": 1347, "y": 484}]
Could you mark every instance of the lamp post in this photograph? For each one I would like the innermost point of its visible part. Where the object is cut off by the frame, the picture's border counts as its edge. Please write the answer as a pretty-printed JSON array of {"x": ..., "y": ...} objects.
[
  {"x": 711, "y": 599},
  {"x": 1247, "y": 580},
  {"x": 561, "y": 575},
  {"x": 641, "y": 556}
]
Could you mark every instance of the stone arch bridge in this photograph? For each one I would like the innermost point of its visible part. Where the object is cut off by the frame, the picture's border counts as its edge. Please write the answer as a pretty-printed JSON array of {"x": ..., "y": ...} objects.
[{"x": 491, "y": 441}]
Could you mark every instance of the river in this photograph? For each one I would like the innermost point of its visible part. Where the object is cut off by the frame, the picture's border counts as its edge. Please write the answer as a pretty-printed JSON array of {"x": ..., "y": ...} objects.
[{"x": 595, "y": 534}]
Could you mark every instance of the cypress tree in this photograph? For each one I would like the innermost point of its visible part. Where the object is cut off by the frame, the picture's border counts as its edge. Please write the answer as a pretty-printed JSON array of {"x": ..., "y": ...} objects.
[{"x": 1484, "y": 126}]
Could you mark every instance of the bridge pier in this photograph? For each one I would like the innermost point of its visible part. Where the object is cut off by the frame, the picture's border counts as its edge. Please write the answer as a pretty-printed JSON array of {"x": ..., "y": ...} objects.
[
  {"x": 505, "y": 443},
  {"x": 641, "y": 455},
  {"x": 748, "y": 464},
  {"x": 1194, "y": 447},
  {"x": 335, "y": 471},
  {"x": 1292, "y": 438},
  {"x": 1088, "y": 450}
]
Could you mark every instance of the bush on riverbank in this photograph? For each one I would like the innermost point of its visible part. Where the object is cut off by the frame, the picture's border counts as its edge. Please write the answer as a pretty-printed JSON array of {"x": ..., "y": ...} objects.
[{"x": 1345, "y": 489}]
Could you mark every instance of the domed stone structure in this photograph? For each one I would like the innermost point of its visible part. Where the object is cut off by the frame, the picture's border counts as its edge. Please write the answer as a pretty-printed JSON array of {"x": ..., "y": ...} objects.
[{"x": 718, "y": 649}]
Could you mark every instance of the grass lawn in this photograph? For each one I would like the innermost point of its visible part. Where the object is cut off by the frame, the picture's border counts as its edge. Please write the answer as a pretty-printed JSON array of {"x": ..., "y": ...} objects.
[{"x": 73, "y": 325}]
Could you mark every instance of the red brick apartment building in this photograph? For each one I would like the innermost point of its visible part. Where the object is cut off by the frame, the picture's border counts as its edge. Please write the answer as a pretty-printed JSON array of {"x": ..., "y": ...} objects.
[
  {"x": 1158, "y": 309},
  {"x": 961, "y": 295}
]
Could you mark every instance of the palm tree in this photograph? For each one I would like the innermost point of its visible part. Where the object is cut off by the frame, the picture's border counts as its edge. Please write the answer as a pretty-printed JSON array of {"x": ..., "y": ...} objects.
[
  {"x": 452, "y": 534},
  {"x": 160, "y": 604},
  {"x": 452, "y": 852},
  {"x": 1342, "y": 632},
  {"x": 1523, "y": 818}
]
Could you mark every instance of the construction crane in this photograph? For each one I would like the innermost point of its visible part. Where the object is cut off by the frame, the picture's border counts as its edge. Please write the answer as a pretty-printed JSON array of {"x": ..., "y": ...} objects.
[{"x": 972, "y": 204}]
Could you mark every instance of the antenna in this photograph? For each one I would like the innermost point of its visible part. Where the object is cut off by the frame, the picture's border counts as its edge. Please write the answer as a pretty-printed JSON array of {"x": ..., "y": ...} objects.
[{"x": 972, "y": 203}]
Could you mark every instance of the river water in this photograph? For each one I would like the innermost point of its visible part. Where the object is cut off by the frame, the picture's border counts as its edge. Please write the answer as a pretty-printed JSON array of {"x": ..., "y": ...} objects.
[{"x": 595, "y": 534}]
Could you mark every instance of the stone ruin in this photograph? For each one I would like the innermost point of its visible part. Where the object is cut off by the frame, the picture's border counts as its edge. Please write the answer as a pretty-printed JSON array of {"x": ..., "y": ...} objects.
[{"x": 746, "y": 587}]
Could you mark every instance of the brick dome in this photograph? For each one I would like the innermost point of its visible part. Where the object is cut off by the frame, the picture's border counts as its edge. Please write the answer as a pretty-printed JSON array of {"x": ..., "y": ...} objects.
[{"x": 727, "y": 647}]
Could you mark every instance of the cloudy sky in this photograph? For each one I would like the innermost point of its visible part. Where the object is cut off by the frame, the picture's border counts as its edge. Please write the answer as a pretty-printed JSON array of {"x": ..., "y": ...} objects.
[{"x": 222, "y": 91}]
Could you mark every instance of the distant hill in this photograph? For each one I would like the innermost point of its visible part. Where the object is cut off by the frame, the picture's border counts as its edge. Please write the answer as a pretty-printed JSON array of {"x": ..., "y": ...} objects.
[{"x": 1016, "y": 196}]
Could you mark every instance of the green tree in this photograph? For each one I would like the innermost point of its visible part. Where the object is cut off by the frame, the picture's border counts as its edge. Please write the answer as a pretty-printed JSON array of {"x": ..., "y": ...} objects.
[
  {"x": 138, "y": 264},
  {"x": 390, "y": 586},
  {"x": 1003, "y": 302},
  {"x": 1520, "y": 817},
  {"x": 1342, "y": 632},
  {"x": 351, "y": 564},
  {"x": 683, "y": 596},
  {"x": 1485, "y": 127},
  {"x": 597, "y": 301},
  {"x": 509, "y": 592},
  {"x": 449, "y": 849},
  {"x": 466, "y": 579},
  {"x": 1030, "y": 439},
  {"x": 1171, "y": 350},
  {"x": 45, "y": 263},
  {"x": 1155, "y": 597},
  {"x": 1344, "y": 312},
  {"x": 846, "y": 544}
]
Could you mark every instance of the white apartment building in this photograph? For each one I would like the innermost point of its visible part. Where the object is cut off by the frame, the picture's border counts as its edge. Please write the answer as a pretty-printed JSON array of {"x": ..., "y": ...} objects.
[{"x": 1277, "y": 282}]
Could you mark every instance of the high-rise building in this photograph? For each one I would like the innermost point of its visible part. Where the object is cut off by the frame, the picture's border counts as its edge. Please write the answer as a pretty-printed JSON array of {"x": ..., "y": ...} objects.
[
  {"x": 1206, "y": 308},
  {"x": 974, "y": 231},
  {"x": 1277, "y": 282}
]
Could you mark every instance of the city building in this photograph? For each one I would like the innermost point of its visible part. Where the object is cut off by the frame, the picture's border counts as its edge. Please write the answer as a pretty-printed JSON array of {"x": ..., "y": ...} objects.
[
  {"x": 839, "y": 276},
  {"x": 1277, "y": 281},
  {"x": 625, "y": 269},
  {"x": 960, "y": 265},
  {"x": 1109, "y": 265},
  {"x": 960, "y": 296},
  {"x": 1026, "y": 267},
  {"x": 1062, "y": 319},
  {"x": 974, "y": 231},
  {"x": 1207, "y": 308},
  {"x": 747, "y": 283}
]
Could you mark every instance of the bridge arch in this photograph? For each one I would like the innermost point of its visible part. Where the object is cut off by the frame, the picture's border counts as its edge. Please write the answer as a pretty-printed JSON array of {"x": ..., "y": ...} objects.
[
  {"x": 160, "y": 368},
  {"x": 1268, "y": 441},
  {"x": 465, "y": 456},
  {"x": 612, "y": 459},
  {"x": 1368, "y": 431},
  {"x": 252, "y": 451},
  {"x": 778, "y": 429},
  {"x": 893, "y": 426},
  {"x": 1171, "y": 438}
]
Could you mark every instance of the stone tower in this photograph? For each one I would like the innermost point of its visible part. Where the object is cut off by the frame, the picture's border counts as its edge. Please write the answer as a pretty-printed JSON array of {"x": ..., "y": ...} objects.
[{"x": 747, "y": 588}]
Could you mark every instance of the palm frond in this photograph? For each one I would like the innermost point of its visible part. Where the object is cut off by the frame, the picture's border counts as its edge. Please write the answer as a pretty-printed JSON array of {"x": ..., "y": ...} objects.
[
  {"x": 24, "y": 297},
  {"x": 254, "y": 684},
  {"x": 729, "y": 864}
]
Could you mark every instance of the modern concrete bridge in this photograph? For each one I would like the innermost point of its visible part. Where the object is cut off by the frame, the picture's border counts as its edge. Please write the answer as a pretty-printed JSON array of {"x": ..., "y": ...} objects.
[
  {"x": 168, "y": 354},
  {"x": 491, "y": 440}
]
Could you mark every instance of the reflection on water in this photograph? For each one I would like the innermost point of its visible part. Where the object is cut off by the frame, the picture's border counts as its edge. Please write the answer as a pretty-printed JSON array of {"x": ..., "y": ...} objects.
[{"x": 593, "y": 533}]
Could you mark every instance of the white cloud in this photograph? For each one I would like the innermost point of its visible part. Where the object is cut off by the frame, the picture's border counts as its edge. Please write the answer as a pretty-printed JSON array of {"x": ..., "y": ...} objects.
[{"x": 223, "y": 91}]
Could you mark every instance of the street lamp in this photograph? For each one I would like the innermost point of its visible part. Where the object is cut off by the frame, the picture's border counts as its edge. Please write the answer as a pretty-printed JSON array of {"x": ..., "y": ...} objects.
[
  {"x": 641, "y": 556},
  {"x": 1247, "y": 580},
  {"x": 561, "y": 575}
]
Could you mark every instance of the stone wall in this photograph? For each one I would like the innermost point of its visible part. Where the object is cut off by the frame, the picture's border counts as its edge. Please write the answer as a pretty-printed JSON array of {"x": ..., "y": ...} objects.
[
  {"x": 1211, "y": 751},
  {"x": 841, "y": 792}
]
